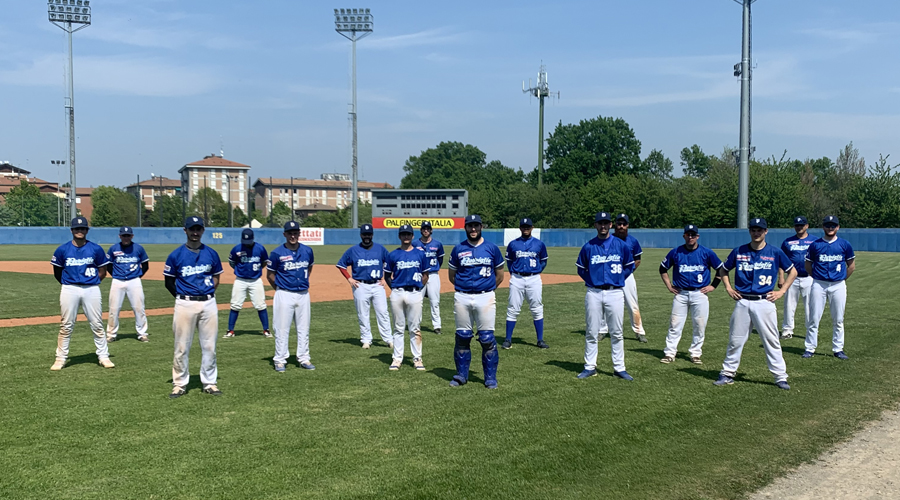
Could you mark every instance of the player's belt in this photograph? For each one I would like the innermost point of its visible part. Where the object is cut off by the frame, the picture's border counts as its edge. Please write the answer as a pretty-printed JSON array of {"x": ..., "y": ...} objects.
[
  {"x": 368, "y": 282},
  {"x": 525, "y": 275},
  {"x": 605, "y": 287},
  {"x": 475, "y": 293},
  {"x": 688, "y": 289},
  {"x": 406, "y": 288},
  {"x": 196, "y": 298},
  {"x": 753, "y": 297}
]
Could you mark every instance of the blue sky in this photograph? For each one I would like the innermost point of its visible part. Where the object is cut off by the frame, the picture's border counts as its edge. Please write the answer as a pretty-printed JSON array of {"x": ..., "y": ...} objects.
[{"x": 162, "y": 83}]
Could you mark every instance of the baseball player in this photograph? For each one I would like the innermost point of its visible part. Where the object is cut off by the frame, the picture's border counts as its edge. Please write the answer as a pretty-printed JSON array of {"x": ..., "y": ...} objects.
[
  {"x": 128, "y": 262},
  {"x": 192, "y": 276},
  {"x": 476, "y": 269},
  {"x": 434, "y": 250},
  {"x": 830, "y": 261},
  {"x": 795, "y": 247},
  {"x": 630, "y": 290},
  {"x": 756, "y": 266},
  {"x": 366, "y": 262},
  {"x": 604, "y": 263},
  {"x": 288, "y": 269},
  {"x": 248, "y": 259},
  {"x": 406, "y": 273},
  {"x": 690, "y": 283},
  {"x": 79, "y": 266},
  {"x": 527, "y": 258}
]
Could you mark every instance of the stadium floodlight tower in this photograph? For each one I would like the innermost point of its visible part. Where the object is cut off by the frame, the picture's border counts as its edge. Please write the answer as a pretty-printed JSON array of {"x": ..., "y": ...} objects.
[
  {"x": 744, "y": 70},
  {"x": 540, "y": 90},
  {"x": 353, "y": 24},
  {"x": 71, "y": 16}
]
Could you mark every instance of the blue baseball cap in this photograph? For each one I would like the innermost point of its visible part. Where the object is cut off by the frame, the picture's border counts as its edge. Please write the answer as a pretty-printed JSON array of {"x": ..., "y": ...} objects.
[
  {"x": 193, "y": 221},
  {"x": 830, "y": 219},
  {"x": 405, "y": 228},
  {"x": 366, "y": 229},
  {"x": 800, "y": 221},
  {"x": 602, "y": 217},
  {"x": 623, "y": 217},
  {"x": 291, "y": 225},
  {"x": 759, "y": 222},
  {"x": 526, "y": 222},
  {"x": 690, "y": 228},
  {"x": 473, "y": 219},
  {"x": 426, "y": 224},
  {"x": 79, "y": 222},
  {"x": 247, "y": 236},
  {"x": 125, "y": 230}
]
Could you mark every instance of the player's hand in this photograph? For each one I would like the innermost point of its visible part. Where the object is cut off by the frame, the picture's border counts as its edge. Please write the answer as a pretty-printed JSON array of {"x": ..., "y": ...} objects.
[
  {"x": 353, "y": 283},
  {"x": 734, "y": 294},
  {"x": 780, "y": 284},
  {"x": 673, "y": 289},
  {"x": 774, "y": 295},
  {"x": 705, "y": 290}
]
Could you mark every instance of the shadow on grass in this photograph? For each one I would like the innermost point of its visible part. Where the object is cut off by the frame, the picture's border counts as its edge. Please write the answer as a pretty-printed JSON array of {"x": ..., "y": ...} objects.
[
  {"x": 256, "y": 333},
  {"x": 579, "y": 332},
  {"x": 351, "y": 340},
  {"x": 194, "y": 383},
  {"x": 739, "y": 377},
  {"x": 83, "y": 359},
  {"x": 793, "y": 350},
  {"x": 123, "y": 336},
  {"x": 655, "y": 353},
  {"x": 444, "y": 373},
  {"x": 568, "y": 366},
  {"x": 386, "y": 357},
  {"x": 709, "y": 374}
]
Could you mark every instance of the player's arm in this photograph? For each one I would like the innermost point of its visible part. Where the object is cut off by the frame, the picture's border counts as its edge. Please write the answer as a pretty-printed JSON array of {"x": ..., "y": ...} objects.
[
  {"x": 348, "y": 274},
  {"x": 170, "y": 285},
  {"x": 270, "y": 277},
  {"x": 499, "y": 272},
  {"x": 387, "y": 277},
  {"x": 851, "y": 266},
  {"x": 776, "y": 294},
  {"x": 109, "y": 268},
  {"x": 145, "y": 266},
  {"x": 723, "y": 274},
  {"x": 808, "y": 265},
  {"x": 780, "y": 279},
  {"x": 57, "y": 273},
  {"x": 451, "y": 273},
  {"x": 101, "y": 272},
  {"x": 637, "y": 261},
  {"x": 215, "y": 281},
  {"x": 664, "y": 275},
  {"x": 715, "y": 281}
]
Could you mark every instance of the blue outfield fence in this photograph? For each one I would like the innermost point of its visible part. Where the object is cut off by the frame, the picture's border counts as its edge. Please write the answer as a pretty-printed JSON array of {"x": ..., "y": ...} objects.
[{"x": 863, "y": 240}]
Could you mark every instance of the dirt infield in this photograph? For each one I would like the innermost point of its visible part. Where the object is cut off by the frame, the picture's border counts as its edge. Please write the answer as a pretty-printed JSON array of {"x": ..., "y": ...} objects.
[{"x": 326, "y": 285}]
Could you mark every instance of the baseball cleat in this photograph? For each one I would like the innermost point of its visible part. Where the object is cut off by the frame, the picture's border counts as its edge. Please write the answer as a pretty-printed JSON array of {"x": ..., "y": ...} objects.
[
  {"x": 366, "y": 345},
  {"x": 586, "y": 374},
  {"x": 229, "y": 334},
  {"x": 111, "y": 338},
  {"x": 808, "y": 354},
  {"x": 786, "y": 335},
  {"x": 58, "y": 365},
  {"x": 841, "y": 355},
  {"x": 177, "y": 392},
  {"x": 456, "y": 382},
  {"x": 143, "y": 338},
  {"x": 267, "y": 334},
  {"x": 491, "y": 384},
  {"x": 506, "y": 344},
  {"x": 783, "y": 385},
  {"x": 395, "y": 364},
  {"x": 602, "y": 336},
  {"x": 543, "y": 345},
  {"x": 667, "y": 359},
  {"x": 417, "y": 362},
  {"x": 437, "y": 331},
  {"x": 106, "y": 363},
  {"x": 306, "y": 365},
  {"x": 623, "y": 375},
  {"x": 212, "y": 390},
  {"x": 696, "y": 360},
  {"x": 642, "y": 338},
  {"x": 390, "y": 345},
  {"x": 279, "y": 367},
  {"x": 724, "y": 380}
]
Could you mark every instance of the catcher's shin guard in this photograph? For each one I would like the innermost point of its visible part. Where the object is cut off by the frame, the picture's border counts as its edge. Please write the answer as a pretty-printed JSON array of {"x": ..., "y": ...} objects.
[
  {"x": 490, "y": 358},
  {"x": 462, "y": 355}
]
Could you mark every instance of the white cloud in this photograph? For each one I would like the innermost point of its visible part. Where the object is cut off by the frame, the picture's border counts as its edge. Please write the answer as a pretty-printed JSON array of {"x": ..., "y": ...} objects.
[
  {"x": 845, "y": 127},
  {"x": 437, "y": 36},
  {"x": 138, "y": 33}
]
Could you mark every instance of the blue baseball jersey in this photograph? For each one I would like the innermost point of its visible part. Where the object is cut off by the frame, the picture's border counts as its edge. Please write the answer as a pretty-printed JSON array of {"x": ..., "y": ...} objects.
[
  {"x": 434, "y": 250},
  {"x": 756, "y": 271},
  {"x": 368, "y": 264},
  {"x": 829, "y": 259},
  {"x": 126, "y": 261},
  {"x": 526, "y": 256},
  {"x": 248, "y": 261},
  {"x": 795, "y": 248},
  {"x": 475, "y": 265},
  {"x": 605, "y": 262},
  {"x": 691, "y": 267},
  {"x": 193, "y": 271},
  {"x": 79, "y": 264},
  {"x": 406, "y": 267},
  {"x": 634, "y": 245},
  {"x": 291, "y": 267}
]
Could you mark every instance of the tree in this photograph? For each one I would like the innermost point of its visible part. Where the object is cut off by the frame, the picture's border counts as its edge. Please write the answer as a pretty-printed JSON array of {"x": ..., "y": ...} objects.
[
  {"x": 454, "y": 165},
  {"x": 239, "y": 218},
  {"x": 172, "y": 210},
  {"x": 208, "y": 204},
  {"x": 876, "y": 201},
  {"x": 281, "y": 213},
  {"x": 340, "y": 218},
  {"x": 114, "y": 207},
  {"x": 32, "y": 208},
  {"x": 657, "y": 165},
  {"x": 8, "y": 216},
  {"x": 695, "y": 162},
  {"x": 602, "y": 145}
]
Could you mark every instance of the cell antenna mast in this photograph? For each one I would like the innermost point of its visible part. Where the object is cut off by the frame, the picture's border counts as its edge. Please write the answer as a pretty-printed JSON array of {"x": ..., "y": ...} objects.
[
  {"x": 744, "y": 71},
  {"x": 540, "y": 90}
]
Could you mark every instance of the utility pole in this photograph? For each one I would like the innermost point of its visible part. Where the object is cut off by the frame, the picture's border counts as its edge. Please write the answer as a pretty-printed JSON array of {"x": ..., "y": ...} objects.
[
  {"x": 353, "y": 24},
  {"x": 744, "y": 70},
  {"x": 541, "y": 90},
  {"x": 64, "y": 14},
  {"x": 140, "y": 193}
]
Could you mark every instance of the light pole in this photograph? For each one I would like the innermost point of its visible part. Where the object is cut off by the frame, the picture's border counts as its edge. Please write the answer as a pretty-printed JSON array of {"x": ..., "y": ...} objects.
[
  {"x": 541, "y": 90},
  {"x": 353, "y": 24},
  {"x": 229, "y": 178},
  {"x": 65, "y": 14},
  {"x": 745, "y": 72},
  {"x": 58, "y": 198}
]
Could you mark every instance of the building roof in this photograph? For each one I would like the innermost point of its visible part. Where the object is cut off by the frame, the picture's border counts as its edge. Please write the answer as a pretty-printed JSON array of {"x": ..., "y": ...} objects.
[
  {"x": 215, "y": 161},
  {"x": 7, "y": 167},
  {"x": 155, "y": 183},
  {"x": 316, "y": 183},
  {"x": 317, "y": 207}
]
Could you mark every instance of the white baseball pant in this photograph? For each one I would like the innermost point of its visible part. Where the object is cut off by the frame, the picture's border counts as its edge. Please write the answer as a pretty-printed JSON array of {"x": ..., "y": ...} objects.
[
  {"x": 363, "y": 296},
  {"x": 604, "y": 311},
  {"x": 407, "y": 310},
  {"x": 291, "y": 307},
  {"x": 134, "y": 290},
  {"x": 202, "y": 317},
  {"x": 631, "y": 305},
  {"x": 834, "y": 293},
  {"x": 761, "y": 315},
  {"x": 697, "y": 304},
  {"x": 242, "y": 287},
  {"x": 799, "y": 289},
  {"x": 88, "y": 297},
  {"x": 475, "y": 312},
  {"x": 433, "y": 288},
  {"x": 521, "y": 288}
]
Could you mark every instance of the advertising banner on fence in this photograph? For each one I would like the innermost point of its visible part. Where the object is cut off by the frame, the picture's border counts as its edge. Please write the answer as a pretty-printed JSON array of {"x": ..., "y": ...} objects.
[
  {"x": 416, "y": 222},
  {"x": 312, "y": 236}
]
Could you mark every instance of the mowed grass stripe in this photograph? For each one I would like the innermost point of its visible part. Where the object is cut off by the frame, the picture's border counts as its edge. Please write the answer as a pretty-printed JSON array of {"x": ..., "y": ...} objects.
[{"x": 353, "y": 429}]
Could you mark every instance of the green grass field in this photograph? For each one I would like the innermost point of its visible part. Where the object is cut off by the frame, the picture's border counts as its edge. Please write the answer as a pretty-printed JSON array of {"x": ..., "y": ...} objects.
[{"x": 352, "y": 429}]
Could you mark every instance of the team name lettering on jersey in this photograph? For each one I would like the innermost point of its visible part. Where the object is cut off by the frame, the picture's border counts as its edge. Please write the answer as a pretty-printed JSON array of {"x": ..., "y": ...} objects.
[
  {"x": 475, "y": 261},
  {"x": 407, "y": 264},
  {"x": 691, "y": 269},
  {"x": 368, "y": 262},
  {"x": 71, "y": 261},
  {"x": 245, "y": 258},
  {"x": 193, "y": 270},
  {"x": 830, "y": 258},
  {"x": 603, "y": 259},
  {"x": 798, "y": 248},
  {"x": 125, "y": 260},
  {"x": 293, "y": 266},
  {"x": 522, "y": 253},
  {"x": 756, "y": 266}
]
